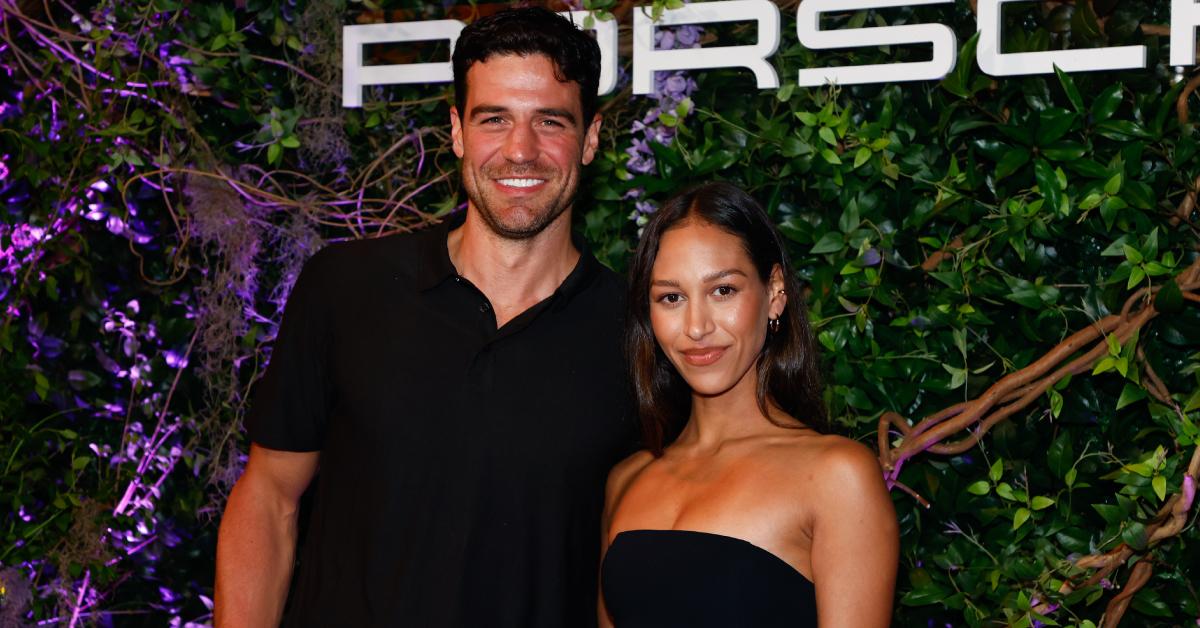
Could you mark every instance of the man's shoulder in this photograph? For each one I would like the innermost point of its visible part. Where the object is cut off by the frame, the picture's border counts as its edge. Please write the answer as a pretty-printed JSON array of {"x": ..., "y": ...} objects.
[
  {"x": 396, "y": 254},
  {"x": 607, "y": 283}
]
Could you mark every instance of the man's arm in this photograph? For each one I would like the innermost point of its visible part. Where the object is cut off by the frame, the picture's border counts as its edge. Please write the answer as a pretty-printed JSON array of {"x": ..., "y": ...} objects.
[{"x": 257, "y": 540}]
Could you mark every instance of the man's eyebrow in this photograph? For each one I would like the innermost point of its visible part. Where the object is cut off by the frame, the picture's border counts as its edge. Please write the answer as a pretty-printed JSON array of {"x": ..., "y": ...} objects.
[
  {"x": 480, "y": 110},
  {"x": 558, "y": 113}
]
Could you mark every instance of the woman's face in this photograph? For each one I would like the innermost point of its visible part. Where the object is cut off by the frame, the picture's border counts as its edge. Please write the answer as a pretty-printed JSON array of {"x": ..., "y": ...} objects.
[{"x": 708, "y": 307}]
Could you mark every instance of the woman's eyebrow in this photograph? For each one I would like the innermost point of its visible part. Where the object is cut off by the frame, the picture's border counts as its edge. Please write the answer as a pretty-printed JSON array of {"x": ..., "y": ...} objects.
[
  {"x": 713, "y": 276},
  {"x": 721, "y": 274}
]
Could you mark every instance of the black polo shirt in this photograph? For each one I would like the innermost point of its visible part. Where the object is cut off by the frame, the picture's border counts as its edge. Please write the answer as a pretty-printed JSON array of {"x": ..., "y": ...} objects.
[{"x": 462, "y": 466}]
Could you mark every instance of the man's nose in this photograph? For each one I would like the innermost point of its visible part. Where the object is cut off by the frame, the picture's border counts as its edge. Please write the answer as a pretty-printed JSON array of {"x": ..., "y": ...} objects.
[{"x": 521, "y": 145}]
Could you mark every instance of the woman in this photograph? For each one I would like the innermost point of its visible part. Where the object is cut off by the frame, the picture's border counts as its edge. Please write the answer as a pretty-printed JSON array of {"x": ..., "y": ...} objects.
[{"x": 740, "y": 512}]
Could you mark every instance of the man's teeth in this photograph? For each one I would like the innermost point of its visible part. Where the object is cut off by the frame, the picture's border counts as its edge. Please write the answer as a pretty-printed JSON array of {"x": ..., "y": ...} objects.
[{"x": 521, "y": 183}]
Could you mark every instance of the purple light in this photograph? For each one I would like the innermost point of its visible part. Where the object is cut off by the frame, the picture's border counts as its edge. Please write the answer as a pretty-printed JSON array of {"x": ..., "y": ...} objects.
[
  {"x": 115, "y": 225},
  {"x": 174, "y": 360}
]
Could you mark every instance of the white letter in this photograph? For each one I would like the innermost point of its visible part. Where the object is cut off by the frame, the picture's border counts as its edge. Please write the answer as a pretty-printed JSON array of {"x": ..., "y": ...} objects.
[
  {"x": 355, "y": 75},
  {"x": 997, "y": 63},
  {"x": 647, "y": 60},
  {"x": 1185, "y": 16},
  {"x": 808, "y": 29},
  {"x": 606, "y": 36}
]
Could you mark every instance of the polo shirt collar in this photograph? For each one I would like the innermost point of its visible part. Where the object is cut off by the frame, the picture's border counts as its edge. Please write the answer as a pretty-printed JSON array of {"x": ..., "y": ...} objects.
[{"x": 435, "y": 267}]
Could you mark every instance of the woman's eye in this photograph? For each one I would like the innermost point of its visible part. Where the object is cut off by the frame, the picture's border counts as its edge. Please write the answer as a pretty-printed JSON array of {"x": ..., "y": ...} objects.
[
  {"x": 670, "y": 298},
  {"x": 725, "y": 291}
]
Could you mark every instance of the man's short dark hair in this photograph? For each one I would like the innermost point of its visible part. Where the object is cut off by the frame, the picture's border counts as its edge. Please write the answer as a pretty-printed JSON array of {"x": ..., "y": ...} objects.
[{"x": 531, "y": 31}]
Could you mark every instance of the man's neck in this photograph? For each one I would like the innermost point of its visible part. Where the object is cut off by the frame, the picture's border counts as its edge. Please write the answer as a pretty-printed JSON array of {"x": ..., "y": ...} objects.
[{"x": 513, "y": 274}]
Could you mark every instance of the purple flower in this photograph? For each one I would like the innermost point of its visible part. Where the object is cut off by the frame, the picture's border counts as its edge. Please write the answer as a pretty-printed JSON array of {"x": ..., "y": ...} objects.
[
  {"x": 676, "y": 86},
  {"x": 871, "y": 257},
  {"x": 115, "y": 225},
  {"x": 687, "y": 36},
  {"x": 664, "y": 39}
]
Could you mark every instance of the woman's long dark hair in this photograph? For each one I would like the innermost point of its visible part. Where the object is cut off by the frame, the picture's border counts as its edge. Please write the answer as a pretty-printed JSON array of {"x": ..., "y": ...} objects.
[{"x": 787, "y": 366}]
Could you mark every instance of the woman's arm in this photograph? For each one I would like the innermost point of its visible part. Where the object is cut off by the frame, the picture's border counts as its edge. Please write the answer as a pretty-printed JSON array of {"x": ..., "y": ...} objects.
[
  {"x": 855, "y": 542},
  {"x": 618, "y": 482}
]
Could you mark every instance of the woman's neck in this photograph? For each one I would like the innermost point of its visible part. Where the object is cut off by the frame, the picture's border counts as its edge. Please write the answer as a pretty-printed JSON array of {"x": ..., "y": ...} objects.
[{"x": 733, "y": 414}]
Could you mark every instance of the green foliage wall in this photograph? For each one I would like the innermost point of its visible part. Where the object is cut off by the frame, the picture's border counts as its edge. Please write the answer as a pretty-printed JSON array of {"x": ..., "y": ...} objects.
[{"x": 168, "y": 167}]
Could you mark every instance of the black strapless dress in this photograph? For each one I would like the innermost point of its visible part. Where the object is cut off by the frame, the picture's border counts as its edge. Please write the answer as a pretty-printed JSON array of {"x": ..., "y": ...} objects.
[{"x": 665, "y": 578}]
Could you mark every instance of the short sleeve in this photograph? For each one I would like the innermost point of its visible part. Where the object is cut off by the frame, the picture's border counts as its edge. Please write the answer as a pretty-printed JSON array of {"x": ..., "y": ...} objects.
[{"x": 291, "y": 402}]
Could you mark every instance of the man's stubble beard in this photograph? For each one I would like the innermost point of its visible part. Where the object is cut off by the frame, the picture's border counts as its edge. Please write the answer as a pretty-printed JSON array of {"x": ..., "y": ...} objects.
[{"x": 550, "y": 211}]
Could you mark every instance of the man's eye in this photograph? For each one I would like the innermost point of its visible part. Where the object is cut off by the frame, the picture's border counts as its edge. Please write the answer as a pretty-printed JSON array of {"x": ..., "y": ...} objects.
[{"x": 553, "y": 124}]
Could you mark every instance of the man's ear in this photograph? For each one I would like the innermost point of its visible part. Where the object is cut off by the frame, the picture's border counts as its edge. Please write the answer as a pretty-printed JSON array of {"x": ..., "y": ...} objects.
[
  {"x": 778, "y": 297},
  {"x": 591, "y": 140},
  {"x": 456, "y": 132}
]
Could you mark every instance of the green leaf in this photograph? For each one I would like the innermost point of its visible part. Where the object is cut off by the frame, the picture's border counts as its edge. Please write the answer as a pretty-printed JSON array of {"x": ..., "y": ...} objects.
[
  {"x": 1107, "y": 102},
  {"x": 1168, "y": 299},
  {"x": 1136, "y": 275},
  {"x": 80, "y": 462},
  {"x": 979, "y": 488},
  {"x": 274, "y": 152},
  {"x": 1113, "y": 186},
  {"x": 41, "y": 385},
  {"x": 1135, "y": 535},
  {"x": 1012, "y": 161},
  {"x": 1068, "y": 85},
  {"x": 831, "y": 242},
  {"x": 830, "y": 156},
  {"x": 1047, "y": 181},
  {"x": 996, "y": 470},
  {"x": 1056, "y": 402},
  {"x": 1061, "y": 454},
  {"x": 1004, "y": 490},
  {"x": 1159, "y": 483},
  {"x": 1064, "y": 151},
  {"x": 861, "y": 156},
  {"x": 1110, "y": 513},
  {"x": 290, "y": 142},
  {"x": 1069, "y": 478},
  {"x": 1041, "y": 503},
  {"x": 931, "y": 594},
  {"x": 1129, "y": 394},
  {"x": 785, "y": 92},
  {"x": 1021, "y": 516},
  {"x": 958, "y": 376},
  {"x": 827, "y": 134},
  {"x": 850, "y": 219}
]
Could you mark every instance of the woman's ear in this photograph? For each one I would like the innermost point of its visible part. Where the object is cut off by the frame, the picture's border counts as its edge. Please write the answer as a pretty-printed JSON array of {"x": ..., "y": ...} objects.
[{"x": 778, "y": 296}]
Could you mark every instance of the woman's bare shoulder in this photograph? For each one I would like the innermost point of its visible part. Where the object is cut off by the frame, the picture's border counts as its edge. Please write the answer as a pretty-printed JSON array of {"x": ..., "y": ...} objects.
[
  {"x": 830, "y": 462},
  {"x": 624, "y": 472}
]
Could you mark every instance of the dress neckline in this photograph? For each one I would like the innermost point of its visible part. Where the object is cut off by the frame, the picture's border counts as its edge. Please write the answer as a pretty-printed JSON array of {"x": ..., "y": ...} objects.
[{"x": 720, "y": 537}]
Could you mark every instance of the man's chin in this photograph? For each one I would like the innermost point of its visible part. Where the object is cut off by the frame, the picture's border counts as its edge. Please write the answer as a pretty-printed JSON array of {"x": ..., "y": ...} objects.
[{"x": 519, "y": 222}]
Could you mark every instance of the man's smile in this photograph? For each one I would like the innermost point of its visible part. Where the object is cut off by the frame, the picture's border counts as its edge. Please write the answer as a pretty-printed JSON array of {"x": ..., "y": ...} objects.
[{"x": 524, "y": 182}]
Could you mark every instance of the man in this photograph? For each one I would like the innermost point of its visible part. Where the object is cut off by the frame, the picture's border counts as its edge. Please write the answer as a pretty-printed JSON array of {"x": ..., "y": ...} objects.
[{"x": 462, "y": 391}]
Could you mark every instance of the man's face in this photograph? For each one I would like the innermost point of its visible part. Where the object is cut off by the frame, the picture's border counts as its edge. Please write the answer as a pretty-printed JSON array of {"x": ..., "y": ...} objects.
[{"x": 522, "y": 141}]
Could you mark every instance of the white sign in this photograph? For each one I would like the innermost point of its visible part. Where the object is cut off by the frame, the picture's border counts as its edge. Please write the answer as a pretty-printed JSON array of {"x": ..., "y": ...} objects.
[{"x": 1185, "y": 17}]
